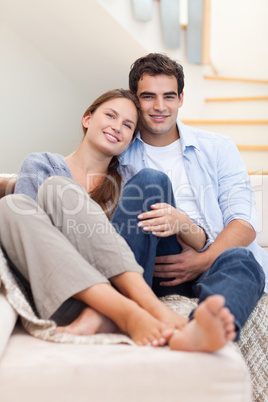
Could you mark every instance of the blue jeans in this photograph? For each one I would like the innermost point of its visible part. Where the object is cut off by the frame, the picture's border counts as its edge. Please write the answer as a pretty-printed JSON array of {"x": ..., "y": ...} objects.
[{"x": 235, "y": 274}]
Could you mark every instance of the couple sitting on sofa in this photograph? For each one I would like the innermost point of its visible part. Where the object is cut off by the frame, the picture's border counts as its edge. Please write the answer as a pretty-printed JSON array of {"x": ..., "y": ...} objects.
[{"x": 55, "y": 245}]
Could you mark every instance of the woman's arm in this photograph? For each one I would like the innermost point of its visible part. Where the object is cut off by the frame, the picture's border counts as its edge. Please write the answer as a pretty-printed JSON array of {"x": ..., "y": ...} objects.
[{"x": 164, "y": 220}]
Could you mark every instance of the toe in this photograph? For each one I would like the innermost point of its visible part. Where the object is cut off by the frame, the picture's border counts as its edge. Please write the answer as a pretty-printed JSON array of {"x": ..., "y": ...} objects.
[
  {"x": 167, "y": 333},
  {"x": 215, "y": 303}
]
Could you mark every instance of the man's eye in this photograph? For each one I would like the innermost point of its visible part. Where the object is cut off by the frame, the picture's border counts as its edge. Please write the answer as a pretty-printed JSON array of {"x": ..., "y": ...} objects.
[{"x": 170, "y": 97}]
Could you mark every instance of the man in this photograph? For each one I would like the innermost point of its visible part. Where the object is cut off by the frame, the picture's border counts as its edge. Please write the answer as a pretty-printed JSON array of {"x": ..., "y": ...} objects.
[{"x": 210, "y": 184}]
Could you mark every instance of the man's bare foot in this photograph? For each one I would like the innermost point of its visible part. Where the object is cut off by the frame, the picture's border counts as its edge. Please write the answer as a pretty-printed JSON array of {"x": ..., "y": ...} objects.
[
  {"x": 89, "y": 322},
  {"x": 210, "y": 330}
]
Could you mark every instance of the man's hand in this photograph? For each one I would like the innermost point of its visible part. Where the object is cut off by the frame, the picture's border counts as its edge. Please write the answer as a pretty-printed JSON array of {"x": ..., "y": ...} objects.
[
  {"x": 186, "y": 266},
  {"x": 189, "y": 264}
]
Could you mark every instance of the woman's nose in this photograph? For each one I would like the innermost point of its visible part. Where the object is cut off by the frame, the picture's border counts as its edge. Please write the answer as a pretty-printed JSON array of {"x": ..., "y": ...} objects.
[{"x": 116, "y": 127}]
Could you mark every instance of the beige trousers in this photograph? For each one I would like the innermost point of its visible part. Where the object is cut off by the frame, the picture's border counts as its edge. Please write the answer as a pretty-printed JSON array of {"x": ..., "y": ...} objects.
[{"x": 62, "y": 245}]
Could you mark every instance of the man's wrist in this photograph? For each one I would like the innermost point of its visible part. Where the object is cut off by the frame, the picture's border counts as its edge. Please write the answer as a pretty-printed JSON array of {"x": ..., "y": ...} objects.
[{"x": 208, "y": 258}]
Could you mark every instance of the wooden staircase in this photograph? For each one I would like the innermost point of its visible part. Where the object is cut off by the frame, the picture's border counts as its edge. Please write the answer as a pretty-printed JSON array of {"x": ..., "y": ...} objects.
[{"x": 257, "y": 152}]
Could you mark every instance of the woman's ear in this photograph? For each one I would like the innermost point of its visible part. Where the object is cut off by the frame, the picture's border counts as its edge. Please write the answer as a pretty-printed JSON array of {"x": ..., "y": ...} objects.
[{"x": 85, "y": 120}]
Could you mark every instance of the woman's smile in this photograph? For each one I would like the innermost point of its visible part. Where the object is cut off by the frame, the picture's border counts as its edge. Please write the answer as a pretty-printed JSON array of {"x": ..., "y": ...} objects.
[{"x": 112, "y": 137}]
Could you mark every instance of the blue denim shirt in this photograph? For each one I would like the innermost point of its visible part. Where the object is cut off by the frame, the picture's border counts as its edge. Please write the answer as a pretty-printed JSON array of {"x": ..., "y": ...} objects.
[{"x": 219, "y": 179}]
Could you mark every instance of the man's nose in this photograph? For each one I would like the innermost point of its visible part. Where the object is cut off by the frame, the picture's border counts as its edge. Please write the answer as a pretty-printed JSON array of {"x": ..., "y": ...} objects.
[{"x": 159, "y": 104}]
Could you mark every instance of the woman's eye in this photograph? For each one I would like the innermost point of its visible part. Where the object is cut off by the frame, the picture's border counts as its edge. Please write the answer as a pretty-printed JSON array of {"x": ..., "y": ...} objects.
[
  {"x": 110, "y": 115},
  {"x": 128, "y": 126}
]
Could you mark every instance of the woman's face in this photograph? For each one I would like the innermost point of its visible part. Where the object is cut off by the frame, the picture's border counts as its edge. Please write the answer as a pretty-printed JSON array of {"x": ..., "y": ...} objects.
[{"x": 110, "y": 128}]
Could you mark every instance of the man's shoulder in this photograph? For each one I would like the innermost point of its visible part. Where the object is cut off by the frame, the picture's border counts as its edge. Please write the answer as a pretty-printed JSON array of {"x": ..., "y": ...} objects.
[
  {"x": 202, "y": 134},
  {"x": 203, "y": 139}
]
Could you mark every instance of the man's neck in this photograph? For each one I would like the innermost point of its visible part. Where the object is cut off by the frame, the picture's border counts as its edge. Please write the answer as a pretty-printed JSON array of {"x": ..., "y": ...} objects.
[{"x": 159, "y": 140}]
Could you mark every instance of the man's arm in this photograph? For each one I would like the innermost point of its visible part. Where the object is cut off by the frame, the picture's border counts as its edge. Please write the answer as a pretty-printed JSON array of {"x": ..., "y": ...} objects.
[
  {"x": 190, "y": 264},
  {"x": 239, "y": 216}
]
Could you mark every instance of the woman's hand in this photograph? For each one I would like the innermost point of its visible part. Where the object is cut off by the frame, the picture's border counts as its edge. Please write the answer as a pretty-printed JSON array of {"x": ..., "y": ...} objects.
[{"x": 163, "y": 220}]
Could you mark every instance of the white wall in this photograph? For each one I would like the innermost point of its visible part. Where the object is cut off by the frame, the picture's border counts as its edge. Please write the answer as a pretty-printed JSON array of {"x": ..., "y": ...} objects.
[
  {"x": 36, "y": 101},
  {"x": 57, "y": 56}
]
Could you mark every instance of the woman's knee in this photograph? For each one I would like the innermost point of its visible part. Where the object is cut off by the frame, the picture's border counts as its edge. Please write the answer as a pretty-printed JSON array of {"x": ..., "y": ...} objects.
[
  {"x": 59, "y": 196},
  {"x": 53, "y": 187}
]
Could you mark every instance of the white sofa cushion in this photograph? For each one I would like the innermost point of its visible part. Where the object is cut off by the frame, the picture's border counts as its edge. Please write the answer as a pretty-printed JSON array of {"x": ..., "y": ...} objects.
[{"x": 45, "y": 371}]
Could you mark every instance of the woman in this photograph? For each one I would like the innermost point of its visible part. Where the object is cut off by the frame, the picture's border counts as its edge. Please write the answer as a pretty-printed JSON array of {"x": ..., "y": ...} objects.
[{"x": 69, "y": 253}]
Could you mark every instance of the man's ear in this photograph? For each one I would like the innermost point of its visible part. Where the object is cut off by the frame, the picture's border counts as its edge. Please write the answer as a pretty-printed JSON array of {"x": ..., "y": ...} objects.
[
  {"x": 181, "y": 98},
  {"x": 85, "y": 120}
]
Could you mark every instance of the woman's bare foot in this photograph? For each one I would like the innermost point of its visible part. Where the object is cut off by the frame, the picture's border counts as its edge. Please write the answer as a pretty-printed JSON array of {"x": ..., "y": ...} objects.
[
  {"x": 210, "y": 330},
  {"x": 140, "y": 325},
  {"x": 89, "y": 322},
  {"x": 144, "y": 329},
  {"x": 166, "y": 315}
]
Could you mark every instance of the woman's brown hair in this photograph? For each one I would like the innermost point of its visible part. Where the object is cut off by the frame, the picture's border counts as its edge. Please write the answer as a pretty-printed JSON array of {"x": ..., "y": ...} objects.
[{"x": 107, "y": 193}]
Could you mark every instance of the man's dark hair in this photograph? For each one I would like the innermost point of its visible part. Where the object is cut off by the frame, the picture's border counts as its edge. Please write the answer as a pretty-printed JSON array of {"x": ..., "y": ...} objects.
[{"x": 155, "y": 64}]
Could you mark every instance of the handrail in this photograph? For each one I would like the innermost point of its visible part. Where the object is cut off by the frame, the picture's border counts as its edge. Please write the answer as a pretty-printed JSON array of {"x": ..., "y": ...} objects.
[
  {"x": 220, "y": 78},
  {"x": 252, "y": 147},
  {"x": 220, "y": 122},
  {"x": 261, "y": 173},
  {"x": 238, "y": 98}
]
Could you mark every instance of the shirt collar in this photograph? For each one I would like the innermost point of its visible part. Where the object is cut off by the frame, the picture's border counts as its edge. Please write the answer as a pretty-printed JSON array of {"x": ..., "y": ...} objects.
[
  {"x": 187, "y": 136},
  {"x": 188, "y": 139}
]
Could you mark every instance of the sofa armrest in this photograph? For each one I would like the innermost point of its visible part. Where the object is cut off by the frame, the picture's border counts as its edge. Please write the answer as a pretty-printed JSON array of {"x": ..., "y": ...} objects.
[
  {"x": 7, "y": 185},
  {"x": 8, "y": 318}
]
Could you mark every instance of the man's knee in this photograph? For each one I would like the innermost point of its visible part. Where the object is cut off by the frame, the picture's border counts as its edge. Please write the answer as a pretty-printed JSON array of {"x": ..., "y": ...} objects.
[
  {"x": 241, "y": 261},
  {"x": 152, "y": 176}
]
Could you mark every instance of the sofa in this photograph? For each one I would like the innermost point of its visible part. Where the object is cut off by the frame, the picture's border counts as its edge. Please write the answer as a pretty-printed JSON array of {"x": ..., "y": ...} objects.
[{"x": 37, "y": 365}]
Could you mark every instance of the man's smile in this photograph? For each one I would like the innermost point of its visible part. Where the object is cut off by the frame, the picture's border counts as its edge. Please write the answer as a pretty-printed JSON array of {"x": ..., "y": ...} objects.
[{"x": 158, "y": 117}]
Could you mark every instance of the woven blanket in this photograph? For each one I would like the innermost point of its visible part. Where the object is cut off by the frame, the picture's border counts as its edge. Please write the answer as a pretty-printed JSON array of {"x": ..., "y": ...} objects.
[{"x": 253, "y": 343}]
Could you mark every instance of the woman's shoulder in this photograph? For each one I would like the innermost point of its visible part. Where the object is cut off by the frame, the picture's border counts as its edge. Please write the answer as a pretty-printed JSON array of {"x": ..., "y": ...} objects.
[
  {"x": 45, "y": 157},
  {"x": 44, "y": 161}
]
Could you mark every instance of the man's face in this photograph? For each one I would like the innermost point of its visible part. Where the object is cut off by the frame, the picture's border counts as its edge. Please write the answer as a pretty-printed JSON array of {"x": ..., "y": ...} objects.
[{"x": 160, "y": 103}]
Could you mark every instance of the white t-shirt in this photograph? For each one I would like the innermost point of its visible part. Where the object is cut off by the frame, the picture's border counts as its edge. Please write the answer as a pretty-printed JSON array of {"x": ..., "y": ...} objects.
[{"x": 169, "y": 160}]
